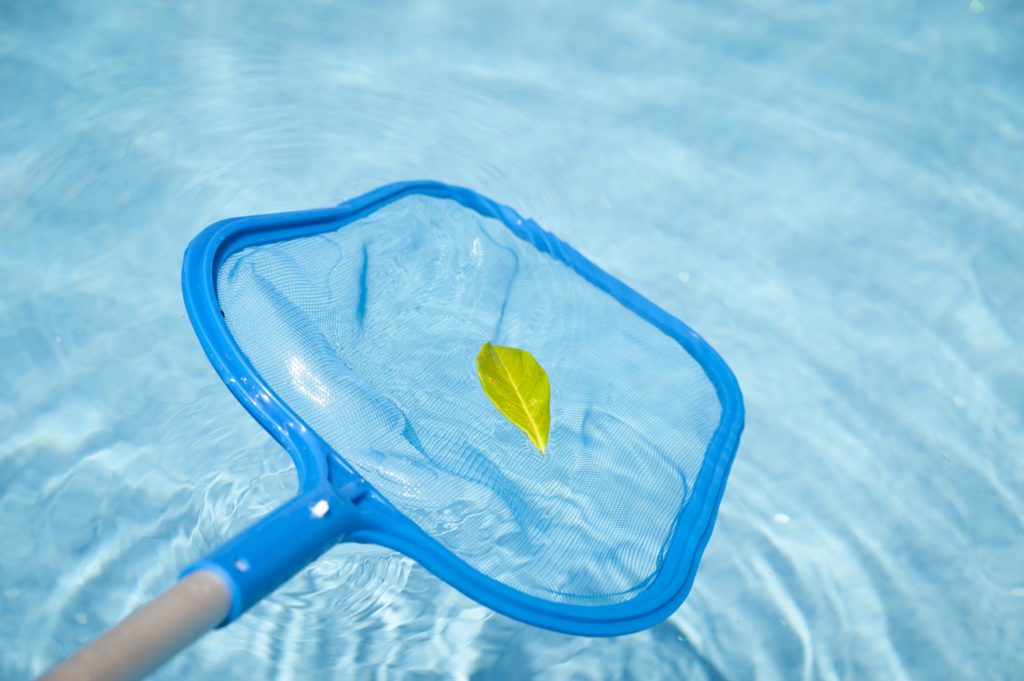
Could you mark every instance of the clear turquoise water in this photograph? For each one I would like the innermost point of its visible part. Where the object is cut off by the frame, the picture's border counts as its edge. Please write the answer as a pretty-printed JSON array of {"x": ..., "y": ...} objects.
[{"x": 827, "y": 192}]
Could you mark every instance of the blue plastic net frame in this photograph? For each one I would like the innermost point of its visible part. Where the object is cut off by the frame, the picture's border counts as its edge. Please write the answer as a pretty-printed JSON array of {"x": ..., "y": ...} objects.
[{"x": 358, "y": 511}]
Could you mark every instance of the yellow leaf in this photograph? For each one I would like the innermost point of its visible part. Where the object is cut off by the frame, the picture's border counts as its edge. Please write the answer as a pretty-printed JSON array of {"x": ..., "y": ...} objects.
[{"x": 518, "y": 386}]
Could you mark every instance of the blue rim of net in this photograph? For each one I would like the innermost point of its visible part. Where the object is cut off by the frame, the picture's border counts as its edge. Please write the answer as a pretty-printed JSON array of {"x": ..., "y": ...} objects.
[{"x": 317, "y": 464}]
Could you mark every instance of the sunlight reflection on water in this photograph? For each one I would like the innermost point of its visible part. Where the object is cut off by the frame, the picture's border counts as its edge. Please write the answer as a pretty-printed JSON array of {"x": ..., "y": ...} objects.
[{"x": 829, "y": 195}]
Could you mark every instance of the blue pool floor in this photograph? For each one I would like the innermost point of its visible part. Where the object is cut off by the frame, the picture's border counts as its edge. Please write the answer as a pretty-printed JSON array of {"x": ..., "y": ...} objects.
[{"x": 829, "y": 193}]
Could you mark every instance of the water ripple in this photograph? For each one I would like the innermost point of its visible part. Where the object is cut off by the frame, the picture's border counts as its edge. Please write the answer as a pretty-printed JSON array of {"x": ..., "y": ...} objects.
[{"x": 839, "y": 187}]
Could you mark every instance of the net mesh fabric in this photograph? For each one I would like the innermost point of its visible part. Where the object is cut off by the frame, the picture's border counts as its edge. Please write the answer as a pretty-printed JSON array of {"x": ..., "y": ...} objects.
[{"x": 370, "y": 333}]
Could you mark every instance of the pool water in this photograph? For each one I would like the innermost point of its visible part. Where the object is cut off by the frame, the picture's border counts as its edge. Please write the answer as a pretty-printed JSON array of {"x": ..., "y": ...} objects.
[{"x": 828, "y": 192}]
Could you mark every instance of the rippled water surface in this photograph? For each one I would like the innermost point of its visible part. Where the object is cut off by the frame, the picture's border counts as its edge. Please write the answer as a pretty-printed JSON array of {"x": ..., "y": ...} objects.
[{"x": 828, "y": 192}]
